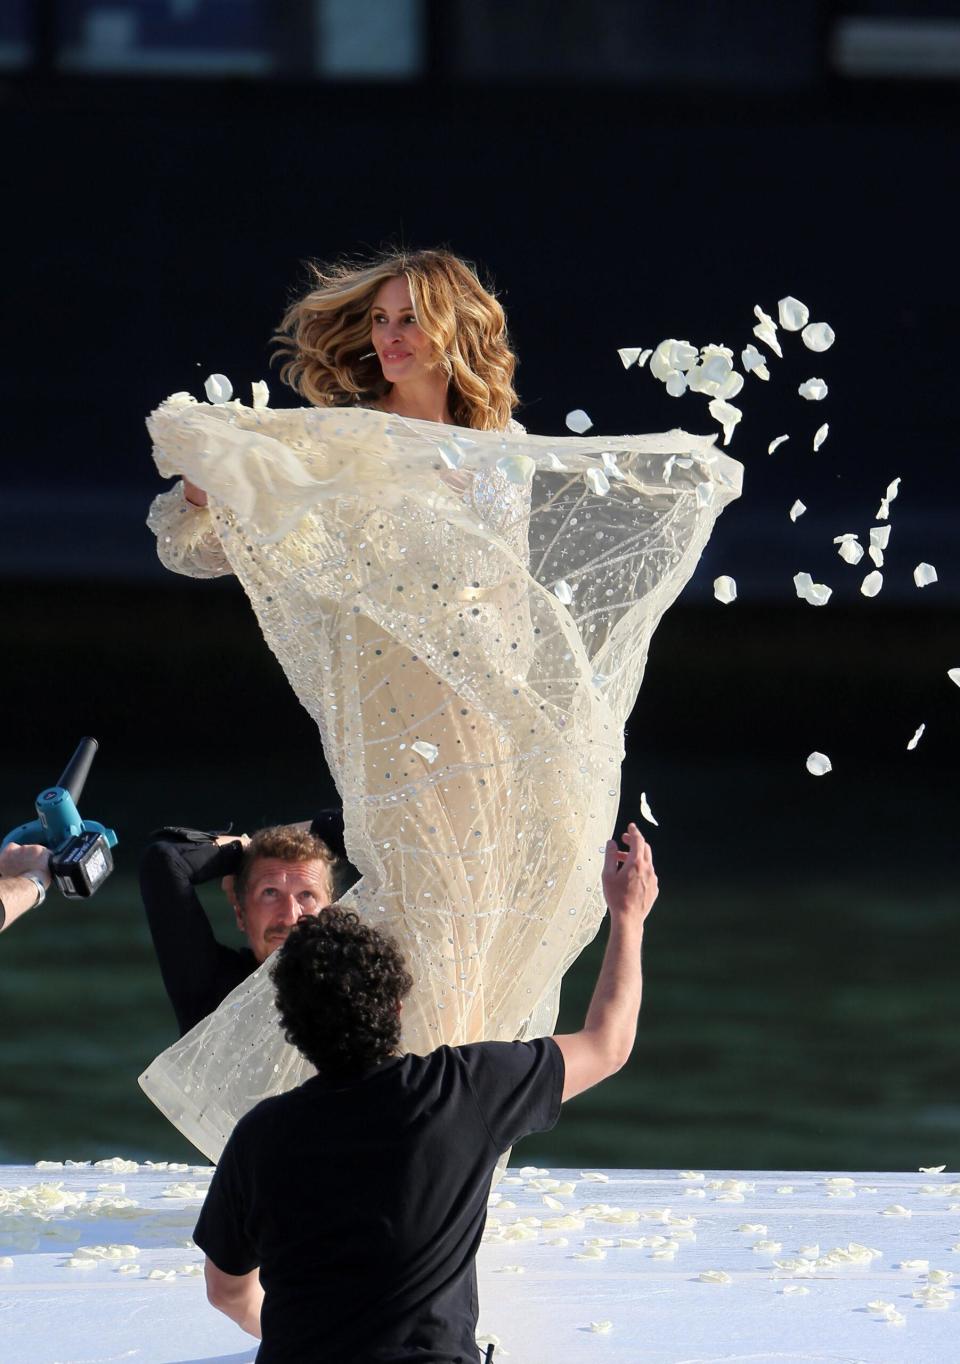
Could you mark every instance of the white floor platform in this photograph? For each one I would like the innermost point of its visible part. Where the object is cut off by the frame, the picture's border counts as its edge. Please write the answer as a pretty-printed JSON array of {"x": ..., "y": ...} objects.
[{"x": 639, "y": 1298}]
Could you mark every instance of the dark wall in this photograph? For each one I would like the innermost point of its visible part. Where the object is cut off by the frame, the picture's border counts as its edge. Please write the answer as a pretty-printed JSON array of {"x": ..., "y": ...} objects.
[{"x": 156, "y": 230}]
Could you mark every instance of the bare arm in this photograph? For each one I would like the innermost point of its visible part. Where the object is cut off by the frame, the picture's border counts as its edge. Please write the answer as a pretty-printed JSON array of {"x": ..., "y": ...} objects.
[
  {"x": 606, "y": 1039},
  {"x": 238, "y": 1296},
  {"x": 17, "y": 894}
]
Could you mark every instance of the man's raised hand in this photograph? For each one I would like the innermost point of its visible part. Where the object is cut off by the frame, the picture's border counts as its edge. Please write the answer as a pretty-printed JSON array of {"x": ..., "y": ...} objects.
[{"x": 629, "y": 880}]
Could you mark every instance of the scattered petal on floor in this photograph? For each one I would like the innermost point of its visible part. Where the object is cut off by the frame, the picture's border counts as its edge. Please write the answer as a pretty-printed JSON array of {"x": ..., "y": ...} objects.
[
  {"x": 563, "y": 592},
  {"x": 714, "y": 1276},
  {"x": 426, "y": 750}
]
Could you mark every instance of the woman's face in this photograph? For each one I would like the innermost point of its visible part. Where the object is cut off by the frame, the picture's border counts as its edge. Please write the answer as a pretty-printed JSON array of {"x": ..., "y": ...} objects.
[{"x": 403, "y": 350}]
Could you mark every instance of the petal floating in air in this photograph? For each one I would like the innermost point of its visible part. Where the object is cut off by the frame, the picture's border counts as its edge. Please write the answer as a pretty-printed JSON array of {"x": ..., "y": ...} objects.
[
  {"x": 727, "y": 415},
  {"x": 818, "y": 764},
  {"x": 819, "y": 336},
  {"x": 924, "y": 575},
  {"x": 578, "y": 421},
  {"x": 598, "y": 482},
  {"x": 753, "y": 362},
  {"x": 777, "y": 441},
  {"x": 517, "y": 469},
  {"x": 918, "y": 734},
  {"x": 792, "y": 313},
  {"x": 563, "y": 592},
  {"x": 872, "y": 584},
  {"x": 814, "y": 390},
  {"x": 821, "y": 435},
  {"x": 629, "y": 355},
  {"x": 797, "y": 509},
  {"x": 725, "y": 589},
  {"x": 261, "y": 394},
  {"x": 766, "y": 331},
  {"x": 647, "y": 814},
  {"x": 218, "y": 388}
]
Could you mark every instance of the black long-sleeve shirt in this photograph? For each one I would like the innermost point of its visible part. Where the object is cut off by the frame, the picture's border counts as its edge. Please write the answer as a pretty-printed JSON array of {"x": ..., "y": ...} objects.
[{"x": 198, "y": 971}]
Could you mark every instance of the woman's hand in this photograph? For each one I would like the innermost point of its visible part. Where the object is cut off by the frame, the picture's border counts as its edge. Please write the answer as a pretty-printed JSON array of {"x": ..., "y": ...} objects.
[{"x": 194, "y": 495}]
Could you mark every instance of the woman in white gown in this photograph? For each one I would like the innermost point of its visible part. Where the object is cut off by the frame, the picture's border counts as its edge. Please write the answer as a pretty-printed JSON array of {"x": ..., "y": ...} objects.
[{"x": 465, "y": 610}]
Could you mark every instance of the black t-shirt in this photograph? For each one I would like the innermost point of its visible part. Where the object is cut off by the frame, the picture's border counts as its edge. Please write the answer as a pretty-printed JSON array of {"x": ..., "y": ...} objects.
[{"x": 363, "y": 1206}]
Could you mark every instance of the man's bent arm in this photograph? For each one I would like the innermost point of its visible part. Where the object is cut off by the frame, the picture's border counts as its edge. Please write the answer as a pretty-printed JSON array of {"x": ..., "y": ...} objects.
[
  {"x": 238, "y": 1296},
  {"x": 606, "y": 1039}
]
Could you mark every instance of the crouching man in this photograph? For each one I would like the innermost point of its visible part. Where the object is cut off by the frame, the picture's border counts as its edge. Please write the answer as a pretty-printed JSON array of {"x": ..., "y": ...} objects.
[{"x": 344, "y": 1217}]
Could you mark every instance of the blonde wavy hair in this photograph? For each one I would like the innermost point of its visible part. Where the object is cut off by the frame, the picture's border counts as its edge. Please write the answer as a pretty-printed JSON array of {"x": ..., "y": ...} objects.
[{"x": 325, "y": 335}]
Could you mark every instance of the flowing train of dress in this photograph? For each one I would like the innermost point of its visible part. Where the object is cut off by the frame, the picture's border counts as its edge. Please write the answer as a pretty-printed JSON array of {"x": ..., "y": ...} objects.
[{"x": 466, "y": 616}]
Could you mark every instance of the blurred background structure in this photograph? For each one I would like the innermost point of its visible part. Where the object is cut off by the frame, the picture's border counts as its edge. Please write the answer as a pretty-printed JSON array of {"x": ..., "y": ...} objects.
[{"x": 624, "y": 171}]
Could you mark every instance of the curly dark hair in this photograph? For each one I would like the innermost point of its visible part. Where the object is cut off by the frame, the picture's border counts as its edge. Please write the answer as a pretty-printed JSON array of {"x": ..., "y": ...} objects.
[{"x": 339, "y": 984}]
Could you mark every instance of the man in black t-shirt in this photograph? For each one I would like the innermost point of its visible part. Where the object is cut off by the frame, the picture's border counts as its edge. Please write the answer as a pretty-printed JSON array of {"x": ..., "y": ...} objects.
[
  {"x": 343, "y": 1221},
  {"x": 271, "y": 880}
]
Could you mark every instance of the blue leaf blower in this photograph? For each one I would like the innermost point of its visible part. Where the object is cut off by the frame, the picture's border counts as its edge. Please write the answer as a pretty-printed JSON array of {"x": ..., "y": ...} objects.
[{"x": 81, "y": 855}]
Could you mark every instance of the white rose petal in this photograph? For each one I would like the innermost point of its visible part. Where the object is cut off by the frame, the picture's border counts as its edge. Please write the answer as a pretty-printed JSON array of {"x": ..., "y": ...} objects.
[
  {"x": 427, "y": 751},
  {"x": 767, "y": 1247},
  {"x": 691, "y": 1175},
  {"x": 551, "y": 1202},
  {"x": 714, "y": 1276},
  {"x": 598, "y": 482},
  {"x": 705, "y": 494},
  {"x": 797, "y": 509},
  {"x": 914, "y": 1266},
  {"x": 511, "y": 1269},
  {"x": 794, "y": 1288},
  {"x": 518, "y": 469},
  {"x": 261, "y": 394},
  {"x": 871, "y": 584},
  {"x": 896, "y": 1210},
  {"x": 880, "y": 536},
  {"x": 554, "y": 463},
  {"x": 924, "y": 575},
  {"x": 578, "y": 421},
  {"x": 629, "y": 355},
  {"x": 918, "y": 735},
  {"x": 753, "y": 362},
  {"x": 647, "y": 814},
  {"x": 725, "y": 589},
  {"x": 644, "y": 357},
  {"x": 218, "y": 388},
  {"x": 813, "y": 389},
  {"x": 809, "y": 1252},
  {"x": 851, "y": 551},
  {"x": 786, "y": 1188},
  {"x": 727, "y": 415},
  {"x": 818, "y": 765},
  {"x": 753, "y": 1228},
  {"x": 821, "y": 435},
  {"x": 731, "y": 386},
  {"x": 766, "y": 331},
  {"x": 818, "y": 336},
  {"x": 676, "y": 383},
  {"x": 596, "y": 1176},
  {"x": 563, "y": 592},
  {"x": 954, "y": 675},
  {"x": 817, "y": 594},
  {"x": 883, "y": 511},
  {"x": 774, "y": 443},
  {"x": 792, "y": 313},
  {"x": 611, "y": 467},
  {"x": 931, "y": 1169},
  {"x": 601, "y": 1328}
]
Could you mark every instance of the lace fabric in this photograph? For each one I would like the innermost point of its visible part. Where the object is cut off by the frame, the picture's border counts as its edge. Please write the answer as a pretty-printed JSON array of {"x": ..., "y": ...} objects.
[{"x": 466, "y": 616}]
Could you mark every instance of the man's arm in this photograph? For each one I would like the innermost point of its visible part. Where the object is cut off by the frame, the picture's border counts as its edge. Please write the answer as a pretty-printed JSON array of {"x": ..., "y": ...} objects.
[
  {"x": 191, "y": 959},
  {"x": 18, "y": 894},
  {"x": 238, "y": 1296},
  {"x": 606, "y": 1039}
]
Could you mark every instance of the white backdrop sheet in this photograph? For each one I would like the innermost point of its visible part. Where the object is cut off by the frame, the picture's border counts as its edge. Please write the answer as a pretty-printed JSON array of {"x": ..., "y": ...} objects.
[{"x": 660, "y": 1311}]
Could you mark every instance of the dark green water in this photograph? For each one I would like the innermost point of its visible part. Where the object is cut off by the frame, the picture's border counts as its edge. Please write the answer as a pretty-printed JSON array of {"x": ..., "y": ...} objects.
[
  {"x": 792, "y": 1017},
  {"x": 801, "y": 1007}
]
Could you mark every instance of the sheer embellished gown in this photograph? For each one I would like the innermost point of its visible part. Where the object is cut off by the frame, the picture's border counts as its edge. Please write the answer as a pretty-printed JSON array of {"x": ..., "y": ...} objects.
[{"x": 466, "y": 616}]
